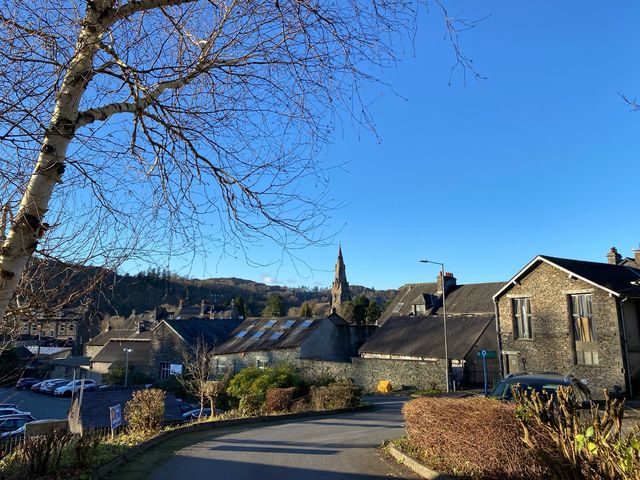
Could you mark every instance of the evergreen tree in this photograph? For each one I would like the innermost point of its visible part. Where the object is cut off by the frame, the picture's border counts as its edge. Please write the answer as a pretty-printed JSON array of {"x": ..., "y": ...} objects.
[
  {"x": 240, "y": 307},
  {"x": 373, "y": 312},
  {"x": 275, "y": 306},
  {"x": 360, "y": 306}
]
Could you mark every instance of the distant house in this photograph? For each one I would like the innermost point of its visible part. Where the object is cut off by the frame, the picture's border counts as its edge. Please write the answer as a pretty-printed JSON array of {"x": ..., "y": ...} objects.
[
  {"x": 420, "y": 338},
  {"x": 90, "y": 411},
  {"x": 97, "y": 343},
  {"x": 170, "y": 337},
  {"x": 574, "y": 317},
  {"x": 263, "y": 342},
  {"x": 135, "y": 352}
]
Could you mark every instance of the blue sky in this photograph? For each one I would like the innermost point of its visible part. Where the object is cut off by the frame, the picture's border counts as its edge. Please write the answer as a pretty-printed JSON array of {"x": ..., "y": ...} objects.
[{"x": 539, "y": 158}]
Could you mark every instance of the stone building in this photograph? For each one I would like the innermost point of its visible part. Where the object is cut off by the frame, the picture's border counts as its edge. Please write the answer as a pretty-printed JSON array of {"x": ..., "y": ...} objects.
[
  {"x": 264, "y": 342},
  {"x": 573, "y": 317},
  {"x": 171, "y": 337},
  {"x": 419, "y": 339},
  {"x": 340, "y": 292}
]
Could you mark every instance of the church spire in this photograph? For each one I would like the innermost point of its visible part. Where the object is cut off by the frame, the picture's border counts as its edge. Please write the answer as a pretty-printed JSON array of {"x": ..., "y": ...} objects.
[{"x": 340, "y": 292}]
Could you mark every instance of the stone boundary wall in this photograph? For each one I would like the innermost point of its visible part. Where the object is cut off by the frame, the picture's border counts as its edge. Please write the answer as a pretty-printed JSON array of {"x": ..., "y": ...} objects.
[{"x": 365, "y": 372}]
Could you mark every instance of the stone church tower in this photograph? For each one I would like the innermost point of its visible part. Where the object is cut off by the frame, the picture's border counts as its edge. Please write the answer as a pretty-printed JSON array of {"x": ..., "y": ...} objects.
[{"x": 340, "y": 289}]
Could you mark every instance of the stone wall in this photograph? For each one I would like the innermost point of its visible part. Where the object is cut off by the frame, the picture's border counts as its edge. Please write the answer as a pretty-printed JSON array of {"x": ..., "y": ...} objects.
[
  {"x": 365, "y": 372},
  {"x": 551, "y": 347}
]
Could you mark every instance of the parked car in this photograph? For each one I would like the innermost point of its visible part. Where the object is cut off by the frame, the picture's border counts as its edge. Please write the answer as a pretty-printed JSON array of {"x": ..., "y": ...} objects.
[
  {"x": 27, "y": 382},
  {"x": 194, "y": 413},
  {"x": 51, "y": 386},
  {"x": 8, "y": 405},
  {"x": 68, "y": 389},
  {"x": 12, "y": 411},
  {"x": 42, "y": 388},
  {"x": 36, "y": 386},
  {"x": 13, "y": 425},
  {"x": 547, "y": 382}
]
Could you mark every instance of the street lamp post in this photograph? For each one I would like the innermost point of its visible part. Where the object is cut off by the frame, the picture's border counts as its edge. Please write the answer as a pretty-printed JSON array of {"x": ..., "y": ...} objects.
[
  {"x": 444, "y": 316},
  {"x": 126, "y": 365}
]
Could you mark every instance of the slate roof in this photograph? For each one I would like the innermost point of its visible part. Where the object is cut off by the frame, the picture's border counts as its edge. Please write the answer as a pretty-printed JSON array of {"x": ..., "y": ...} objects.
[
  {"x": 213, "y": 331},
  {"x": 407, "y": 295},
  {"x": 472, "y": 298},
  {"x": 621, "y": 280},
  {"x": 103, "y": 337},
  {"x": 113, "y": 351},
  {"x": 277, "y": 333},
  {"x": 423, "y": 335},
  {"x": 94, "y": 411}
]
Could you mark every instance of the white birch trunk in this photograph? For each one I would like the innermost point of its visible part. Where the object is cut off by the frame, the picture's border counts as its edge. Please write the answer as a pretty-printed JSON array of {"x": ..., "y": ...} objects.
[{"x": 27, "y": 226}]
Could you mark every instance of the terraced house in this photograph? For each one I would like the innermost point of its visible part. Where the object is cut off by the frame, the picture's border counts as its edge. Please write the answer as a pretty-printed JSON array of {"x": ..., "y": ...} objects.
[{"x": 573, "y": 317}]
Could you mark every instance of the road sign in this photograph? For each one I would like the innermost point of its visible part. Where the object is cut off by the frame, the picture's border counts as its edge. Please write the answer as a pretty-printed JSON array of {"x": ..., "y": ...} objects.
[{"x": 487, "y": 354}]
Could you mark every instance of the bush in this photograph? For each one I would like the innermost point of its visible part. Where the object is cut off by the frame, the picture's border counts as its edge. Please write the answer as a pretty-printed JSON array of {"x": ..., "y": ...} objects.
[
  {"x": 255, "y": 381},
  {"x": 145, "y": 411},
  {"x": 279, "y": 399},
  {"x": 116, "y": 375},
  {"x": 572, "y": 445},
  {"x": 251, "y": 405},
  {"x": 335, "y": 395},
  {"x": 476, "y": 437}
]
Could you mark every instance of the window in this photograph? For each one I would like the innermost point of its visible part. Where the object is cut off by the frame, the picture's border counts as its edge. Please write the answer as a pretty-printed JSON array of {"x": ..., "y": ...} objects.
[
  {"x": 419, "y": 308},
  {"x": 221, "y": 366},
  {"x": 521, "y": 318},
  {"x": 165, "y": 370},
  {"x": 276, "y": 335},
  {"x": 397, "y": 308},
  {"x": 288, "y": 323},
  {"x": 241, "y": 333},
  {"x": 262, "y": 364},
  {"x": 584, "y": 330},
  {"x": 270, "y": 323},
  {"x": 258, "y": 334},
  {"x": 306, "y": 324}
]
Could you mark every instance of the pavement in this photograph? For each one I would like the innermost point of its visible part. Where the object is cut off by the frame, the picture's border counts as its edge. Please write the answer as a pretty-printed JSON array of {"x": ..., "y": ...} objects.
[
  {"x": 40, "y": 405},
  {"x": 340, "y": 447}
]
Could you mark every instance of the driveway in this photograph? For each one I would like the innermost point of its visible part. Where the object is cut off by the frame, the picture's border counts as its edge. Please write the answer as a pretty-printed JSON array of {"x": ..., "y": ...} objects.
[{"x": 342, "y": 447}]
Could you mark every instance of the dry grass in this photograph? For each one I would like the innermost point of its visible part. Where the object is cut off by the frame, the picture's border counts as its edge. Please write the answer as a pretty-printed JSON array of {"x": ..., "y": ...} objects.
[{"x": 474, "y": 437}]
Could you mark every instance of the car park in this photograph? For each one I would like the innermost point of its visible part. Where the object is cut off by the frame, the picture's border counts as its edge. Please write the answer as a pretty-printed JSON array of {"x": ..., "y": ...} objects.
[
  {"x": 70, "y": 388},
  {"x": 27, "y": 383},
  {"x": 547, "y": 382}
]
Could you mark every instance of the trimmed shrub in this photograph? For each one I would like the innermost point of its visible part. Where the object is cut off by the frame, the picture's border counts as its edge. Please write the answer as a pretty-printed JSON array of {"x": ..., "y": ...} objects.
[
  {"x": 335, "y": 395},
  {"x": 279, "y": 399},
  {"x": 256, "y": 381},
  {"x": 475, "y": 437},
  {"x": 251, "y": 405},
  {"x": 145, "y": 411}
]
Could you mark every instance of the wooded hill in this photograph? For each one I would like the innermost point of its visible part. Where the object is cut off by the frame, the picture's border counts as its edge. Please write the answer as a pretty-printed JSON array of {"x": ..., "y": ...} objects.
[{"x": 122, "y": 294}]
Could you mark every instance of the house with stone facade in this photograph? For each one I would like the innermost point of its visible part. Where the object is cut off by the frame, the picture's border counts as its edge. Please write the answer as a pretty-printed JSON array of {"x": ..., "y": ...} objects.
[
  {"x": 573, "y": 317},
  {"x": 263, "y": 342},
  {"x": 171, "y": 337}
]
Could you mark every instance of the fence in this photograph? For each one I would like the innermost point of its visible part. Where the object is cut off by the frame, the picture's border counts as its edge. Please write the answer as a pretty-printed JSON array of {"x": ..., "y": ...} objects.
[{"x": 10, "y": 444}]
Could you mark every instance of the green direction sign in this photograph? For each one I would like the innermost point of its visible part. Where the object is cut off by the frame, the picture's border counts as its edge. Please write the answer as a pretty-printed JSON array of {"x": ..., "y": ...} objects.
[{"x": 486, "y": 354}]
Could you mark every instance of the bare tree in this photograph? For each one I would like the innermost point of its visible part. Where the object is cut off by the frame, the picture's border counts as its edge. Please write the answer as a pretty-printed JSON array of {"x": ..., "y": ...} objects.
[
  {"x": 198, "y": 376},
  {"x": 177, "y": 123}
]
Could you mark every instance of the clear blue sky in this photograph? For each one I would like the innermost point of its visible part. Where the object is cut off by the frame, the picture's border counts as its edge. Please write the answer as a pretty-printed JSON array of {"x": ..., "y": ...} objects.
[{"x": 539, "y": 158}]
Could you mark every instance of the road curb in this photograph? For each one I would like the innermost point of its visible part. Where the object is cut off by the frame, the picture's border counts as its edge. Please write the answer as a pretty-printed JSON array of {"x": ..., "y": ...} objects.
[
  {"x": 108, "y": 468},
  {"x": 416, "y": 466}
]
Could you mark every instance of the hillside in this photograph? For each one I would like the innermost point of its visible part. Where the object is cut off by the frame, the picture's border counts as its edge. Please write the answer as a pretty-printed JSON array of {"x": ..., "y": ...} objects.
[{"x": 144, "y": 291}]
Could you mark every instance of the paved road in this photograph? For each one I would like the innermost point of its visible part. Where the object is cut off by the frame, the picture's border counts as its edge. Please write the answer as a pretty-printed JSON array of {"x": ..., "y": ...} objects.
[
  {"x": 40, "y": 405},
  {"x": 343, "y": 447}
]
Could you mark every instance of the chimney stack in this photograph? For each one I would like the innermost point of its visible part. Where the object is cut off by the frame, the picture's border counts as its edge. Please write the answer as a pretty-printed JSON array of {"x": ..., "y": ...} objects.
[
  {"x": 636, "y": 255},
  {"x": 613, "y": 257},
  {"x": 449, "y": 282}
]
